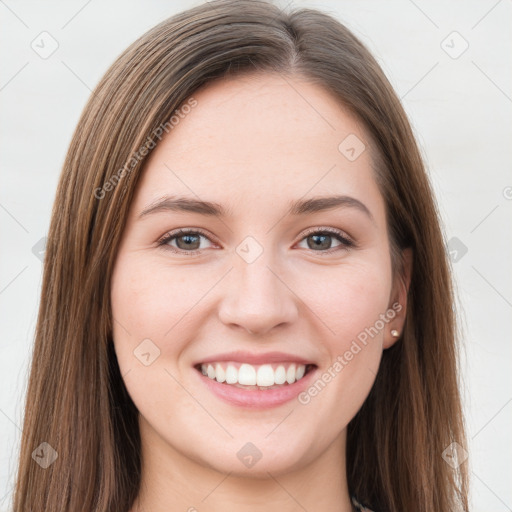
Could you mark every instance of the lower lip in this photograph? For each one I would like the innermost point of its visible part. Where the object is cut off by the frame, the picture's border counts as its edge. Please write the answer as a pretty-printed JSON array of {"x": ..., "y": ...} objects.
[{"x": 255, "y": 398}]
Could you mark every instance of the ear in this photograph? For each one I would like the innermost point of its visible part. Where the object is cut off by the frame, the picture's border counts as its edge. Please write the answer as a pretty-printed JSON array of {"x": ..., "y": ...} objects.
[{"x": 398, "y": 300}]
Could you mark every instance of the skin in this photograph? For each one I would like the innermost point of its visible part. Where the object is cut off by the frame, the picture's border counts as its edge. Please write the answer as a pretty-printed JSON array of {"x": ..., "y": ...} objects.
[{"x": 252, "y": 144}]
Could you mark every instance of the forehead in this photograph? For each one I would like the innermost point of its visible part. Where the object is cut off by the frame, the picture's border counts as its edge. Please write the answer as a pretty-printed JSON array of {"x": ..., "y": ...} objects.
[{"x": 254, "y": 140}]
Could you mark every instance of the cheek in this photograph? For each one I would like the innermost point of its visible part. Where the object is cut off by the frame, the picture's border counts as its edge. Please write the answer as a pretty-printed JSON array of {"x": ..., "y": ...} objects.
[
  {"x": 349, "y": 299},
  {"x": 150, "y": 300},
  {"x": 149, "y": 307},
  {"x": 352, "y": 304}
]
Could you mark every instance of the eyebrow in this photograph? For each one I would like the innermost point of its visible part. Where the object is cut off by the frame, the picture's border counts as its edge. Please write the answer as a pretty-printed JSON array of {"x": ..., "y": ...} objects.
[{"x": 298, "y": 207}]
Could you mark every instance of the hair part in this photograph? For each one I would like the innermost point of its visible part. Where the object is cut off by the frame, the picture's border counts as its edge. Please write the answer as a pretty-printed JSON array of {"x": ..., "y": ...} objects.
[{"x": 76, "y": 399}]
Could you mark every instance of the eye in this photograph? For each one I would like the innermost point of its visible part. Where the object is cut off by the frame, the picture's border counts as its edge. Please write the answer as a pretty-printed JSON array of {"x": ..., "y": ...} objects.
[
  {"x": 319, "y": 240},
  {"x": 186, "y": 239}
]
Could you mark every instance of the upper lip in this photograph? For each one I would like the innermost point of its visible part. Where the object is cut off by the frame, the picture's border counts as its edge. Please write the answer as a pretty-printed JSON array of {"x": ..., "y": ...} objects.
[{"x": 251, "y": 358}]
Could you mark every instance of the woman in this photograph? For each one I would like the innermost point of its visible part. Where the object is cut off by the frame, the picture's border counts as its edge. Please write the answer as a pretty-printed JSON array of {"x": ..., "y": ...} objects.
[{"x": 246, "y": 301}]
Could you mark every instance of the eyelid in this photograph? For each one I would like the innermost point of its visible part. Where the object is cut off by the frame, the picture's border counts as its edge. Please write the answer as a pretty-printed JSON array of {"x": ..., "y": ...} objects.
[{"x": 326, "y": 229}]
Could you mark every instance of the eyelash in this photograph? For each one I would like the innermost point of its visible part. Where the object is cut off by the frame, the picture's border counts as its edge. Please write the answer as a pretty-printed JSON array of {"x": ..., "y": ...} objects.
[{"x": 346, "y": 243}]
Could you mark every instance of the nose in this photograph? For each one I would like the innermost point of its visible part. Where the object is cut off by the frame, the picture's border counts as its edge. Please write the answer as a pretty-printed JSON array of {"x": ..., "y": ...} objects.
[{"x": 256, "y": 296}]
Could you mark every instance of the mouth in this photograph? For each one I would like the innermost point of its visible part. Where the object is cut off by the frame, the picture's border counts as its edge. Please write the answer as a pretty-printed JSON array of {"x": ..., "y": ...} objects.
[{"x": 255, "y": 377}]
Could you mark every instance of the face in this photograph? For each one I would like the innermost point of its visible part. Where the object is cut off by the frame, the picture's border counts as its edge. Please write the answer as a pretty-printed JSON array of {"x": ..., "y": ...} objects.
[{"x": 256, "y": 282}]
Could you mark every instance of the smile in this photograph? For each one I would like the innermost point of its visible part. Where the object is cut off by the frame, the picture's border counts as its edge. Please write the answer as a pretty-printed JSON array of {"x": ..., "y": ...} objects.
[
  {"x": 249, "y": 376},
  {"x": 252, "y": 396}
]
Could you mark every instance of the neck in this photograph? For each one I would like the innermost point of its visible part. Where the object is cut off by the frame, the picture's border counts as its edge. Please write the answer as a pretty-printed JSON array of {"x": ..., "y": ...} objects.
[{"x": 169, "y": 477}]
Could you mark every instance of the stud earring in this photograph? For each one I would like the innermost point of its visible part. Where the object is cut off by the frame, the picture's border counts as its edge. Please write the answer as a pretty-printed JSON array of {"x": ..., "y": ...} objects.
[{"x": 395, "y": 333}]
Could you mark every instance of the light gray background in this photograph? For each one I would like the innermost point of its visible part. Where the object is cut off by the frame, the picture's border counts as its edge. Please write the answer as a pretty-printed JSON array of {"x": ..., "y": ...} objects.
[{"x": 459, "y": 105}]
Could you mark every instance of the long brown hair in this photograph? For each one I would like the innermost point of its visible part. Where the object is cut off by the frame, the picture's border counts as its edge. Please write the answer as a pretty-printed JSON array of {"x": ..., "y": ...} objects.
[{"x": 76, "y": 399}]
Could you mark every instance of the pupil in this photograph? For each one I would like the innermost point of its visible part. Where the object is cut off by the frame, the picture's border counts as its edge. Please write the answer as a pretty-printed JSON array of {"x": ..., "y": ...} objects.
[
  {"x": 317, "y": 243},
  {"x": 188, "y": 240}
]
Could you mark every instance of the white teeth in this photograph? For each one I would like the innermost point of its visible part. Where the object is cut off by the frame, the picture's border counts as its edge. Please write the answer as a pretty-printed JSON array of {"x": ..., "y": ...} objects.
[
  {"x": 280, "y": 375},
  {"x": 247, "y": 375},
  {"x": 264, "y": 375},
  {"x": 231, "y": 375},
  {"x": 220, "y": 374},
  {"x": 290, "y": 374}
]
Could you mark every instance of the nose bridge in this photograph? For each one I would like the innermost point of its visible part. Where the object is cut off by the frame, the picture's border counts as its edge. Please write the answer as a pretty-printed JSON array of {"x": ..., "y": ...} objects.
[{"x": 256, "y": 297}]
